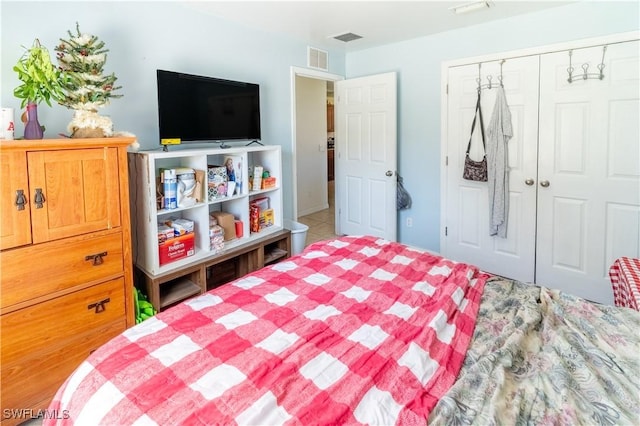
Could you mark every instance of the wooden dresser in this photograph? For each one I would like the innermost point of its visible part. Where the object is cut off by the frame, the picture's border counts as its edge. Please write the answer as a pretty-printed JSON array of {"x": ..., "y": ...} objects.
[{"x": 65, "y": 262}]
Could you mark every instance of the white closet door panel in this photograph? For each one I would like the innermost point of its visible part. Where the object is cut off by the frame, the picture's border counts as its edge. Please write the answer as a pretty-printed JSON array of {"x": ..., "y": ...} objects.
[
  {"x": 467, "y": 212},
  {"x": 622, "y": 230},
  {"x": 568, "y": 233},
  {"x": 469, "y": 226},
  {"x": 589, "y": 153}
]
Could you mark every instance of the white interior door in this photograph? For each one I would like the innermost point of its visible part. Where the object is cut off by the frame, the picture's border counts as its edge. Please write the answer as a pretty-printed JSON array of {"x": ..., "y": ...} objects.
[
  {"x": 365, "y": 156},
  {"x": 466, "y": 214},
  {"x": 589, "y": 214}
]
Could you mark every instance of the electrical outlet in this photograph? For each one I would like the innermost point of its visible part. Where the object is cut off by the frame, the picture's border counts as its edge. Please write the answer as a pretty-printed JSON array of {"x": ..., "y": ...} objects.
[{"x": 409, "y": 222}]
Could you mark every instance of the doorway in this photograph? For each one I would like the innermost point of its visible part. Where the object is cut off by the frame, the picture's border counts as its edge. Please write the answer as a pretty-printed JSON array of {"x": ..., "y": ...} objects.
[
  {"x": 365, "y": 162},
  {"x": 313, "y": 189},
  {"x": 321, "y": 223}
]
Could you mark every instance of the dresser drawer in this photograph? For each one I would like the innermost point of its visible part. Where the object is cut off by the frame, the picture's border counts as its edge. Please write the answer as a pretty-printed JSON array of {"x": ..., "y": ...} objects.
[
  {"x": 41, "y": 269},
  {"x": 57, "y": 321},
  {"x": 32, "y": 381}
]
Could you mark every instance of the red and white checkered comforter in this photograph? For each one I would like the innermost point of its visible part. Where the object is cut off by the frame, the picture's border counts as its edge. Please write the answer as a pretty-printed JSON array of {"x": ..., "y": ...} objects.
[{"x": 353, "y": 330}]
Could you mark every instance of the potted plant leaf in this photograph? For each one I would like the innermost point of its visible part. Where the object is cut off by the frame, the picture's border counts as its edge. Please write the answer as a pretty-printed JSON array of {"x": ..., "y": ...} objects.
[{"x": 41, "y": 81}]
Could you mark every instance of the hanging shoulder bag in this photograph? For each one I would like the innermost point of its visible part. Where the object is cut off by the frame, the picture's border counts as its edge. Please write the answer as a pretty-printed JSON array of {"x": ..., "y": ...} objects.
[
  {"x": 476, "y": 170},
  {"x": 403, "y": 199}
]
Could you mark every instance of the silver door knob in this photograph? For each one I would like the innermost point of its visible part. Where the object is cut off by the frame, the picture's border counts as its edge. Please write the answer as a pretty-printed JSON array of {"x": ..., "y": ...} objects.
[
  {"x": 544, "y": 183},
  {"x": 529, "y": 181},
  {"x": 389, "y": 173}
]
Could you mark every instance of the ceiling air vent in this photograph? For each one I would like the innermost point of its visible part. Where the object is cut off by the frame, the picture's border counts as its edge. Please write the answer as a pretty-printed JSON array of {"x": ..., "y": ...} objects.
[
  {"x": 346, "y": 37},
  {"x": 317, "y": 58}
]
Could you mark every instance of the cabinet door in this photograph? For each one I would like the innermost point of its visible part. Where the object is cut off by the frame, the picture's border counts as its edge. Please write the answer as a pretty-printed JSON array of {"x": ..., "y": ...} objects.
[
  {"x": 78, "y": 189},
  {"x": 15, "y": 228}
]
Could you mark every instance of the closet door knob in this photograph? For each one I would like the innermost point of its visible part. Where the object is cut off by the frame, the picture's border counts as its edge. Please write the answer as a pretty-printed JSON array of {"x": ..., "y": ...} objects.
[
  {"x": 529, "y": 181},
  {"x": 389, "y": 173},
  {"x": 544, "y": 183}
]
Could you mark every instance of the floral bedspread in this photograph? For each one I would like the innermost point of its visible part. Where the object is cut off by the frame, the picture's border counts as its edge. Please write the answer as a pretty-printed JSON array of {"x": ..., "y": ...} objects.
[{"x": 542, "y": 357}]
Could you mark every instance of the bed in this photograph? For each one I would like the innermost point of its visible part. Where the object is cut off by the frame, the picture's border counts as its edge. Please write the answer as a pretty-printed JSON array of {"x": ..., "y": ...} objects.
[{"x": 360, "y": 330}]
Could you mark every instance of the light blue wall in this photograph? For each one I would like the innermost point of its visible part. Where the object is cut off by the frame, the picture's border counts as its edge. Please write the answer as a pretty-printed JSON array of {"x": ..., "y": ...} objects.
[
  {"x": 144, "y": 36},
  {"x": 418, "y": 64}
]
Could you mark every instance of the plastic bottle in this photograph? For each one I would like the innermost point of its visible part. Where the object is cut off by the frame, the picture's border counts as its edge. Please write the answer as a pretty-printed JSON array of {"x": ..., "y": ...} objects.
[{"x": 170, "y": 189}]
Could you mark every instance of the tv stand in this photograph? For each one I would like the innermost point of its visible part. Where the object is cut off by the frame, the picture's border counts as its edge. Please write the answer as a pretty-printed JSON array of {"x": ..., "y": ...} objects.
[
  {"x": 249, "y": 250},
  {"x": 254, "y": 141},
  {"x": 167, "y": 289}
]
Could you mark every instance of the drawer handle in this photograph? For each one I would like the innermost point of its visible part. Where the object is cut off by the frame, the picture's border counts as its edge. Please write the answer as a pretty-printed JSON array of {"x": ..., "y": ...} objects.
[
  {"x": 39, "y": 198},
  {"x": 99, "y": 306},
  {"x": 21, "y": 200},
  {"x": 97, "y": 258}
]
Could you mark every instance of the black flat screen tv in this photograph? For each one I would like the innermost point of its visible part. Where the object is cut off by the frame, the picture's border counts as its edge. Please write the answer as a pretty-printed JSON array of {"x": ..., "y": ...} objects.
[{"x": 196, "y": 108}]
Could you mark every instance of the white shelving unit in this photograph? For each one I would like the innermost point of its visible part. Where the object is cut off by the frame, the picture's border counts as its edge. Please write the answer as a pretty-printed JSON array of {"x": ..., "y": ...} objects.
[{"x": 144, "y": 169}]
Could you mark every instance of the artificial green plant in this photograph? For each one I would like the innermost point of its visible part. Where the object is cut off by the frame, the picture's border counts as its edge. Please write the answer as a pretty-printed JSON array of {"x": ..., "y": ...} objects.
[{"x": 41, "y": 80}]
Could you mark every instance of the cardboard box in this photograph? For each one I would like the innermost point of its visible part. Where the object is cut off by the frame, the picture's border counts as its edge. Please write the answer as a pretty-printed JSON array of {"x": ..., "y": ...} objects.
[
  {"x": 254, "y": 218},
  {"x": 266, "y": 218},
  {"x": 227, "y": 222},
  {"x": 262, "y": 203},
  {"x": 216, "y": 239},
  {"x": 269, "y": 182},
  {"x": 216, "y": 182},
  {"x": 180, "y": 226},
  {"x": 164, "y": 233},
  {"x": 261, "y": 216},
  {"x": 257, "y": 178},
  {"x": 177, "y": 248}
]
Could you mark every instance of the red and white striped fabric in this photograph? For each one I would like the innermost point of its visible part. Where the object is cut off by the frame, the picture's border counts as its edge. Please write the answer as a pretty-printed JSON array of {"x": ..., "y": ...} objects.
[
  {"x": 625, "y": 279},
  {"x": 353, "y": 330}
]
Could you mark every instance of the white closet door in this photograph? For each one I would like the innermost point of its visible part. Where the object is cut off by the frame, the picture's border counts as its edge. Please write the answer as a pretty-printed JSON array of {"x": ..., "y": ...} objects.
[
  {"x": 589, "y": 214},
  {"x": 466, "y": 215}
]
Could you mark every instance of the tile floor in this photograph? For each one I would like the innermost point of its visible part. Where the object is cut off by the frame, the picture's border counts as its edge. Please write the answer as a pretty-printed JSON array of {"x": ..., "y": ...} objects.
[{"x": 322, "y": 223}]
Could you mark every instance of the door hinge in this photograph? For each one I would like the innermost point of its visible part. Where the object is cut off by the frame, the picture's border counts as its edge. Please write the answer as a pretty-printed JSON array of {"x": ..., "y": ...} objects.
[
  {"x": 446, "y": 160},
  {"x": 447, "y": 89},
  {"x": 446, "y": 231}
]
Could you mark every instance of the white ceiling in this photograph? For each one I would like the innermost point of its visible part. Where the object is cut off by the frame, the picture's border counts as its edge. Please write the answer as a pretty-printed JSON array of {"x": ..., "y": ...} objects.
[{"x": 378, "y": 22}]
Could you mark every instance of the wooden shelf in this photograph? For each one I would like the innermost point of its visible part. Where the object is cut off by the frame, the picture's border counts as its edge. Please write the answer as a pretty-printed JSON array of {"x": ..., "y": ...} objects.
[
  {"x": 196, "y": 278},
  {"x": 273, "y": 255},
  {"x": 177, "y": 290}
]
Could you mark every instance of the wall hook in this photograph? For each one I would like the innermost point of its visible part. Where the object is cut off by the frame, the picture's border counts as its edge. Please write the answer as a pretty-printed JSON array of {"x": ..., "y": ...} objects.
[{"x": 586, "y": 75}]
